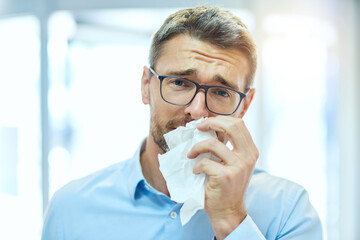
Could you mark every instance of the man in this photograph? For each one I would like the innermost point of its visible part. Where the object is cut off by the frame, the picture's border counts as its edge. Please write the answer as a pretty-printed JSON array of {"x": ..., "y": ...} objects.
[{"x": 202, "y": 64}]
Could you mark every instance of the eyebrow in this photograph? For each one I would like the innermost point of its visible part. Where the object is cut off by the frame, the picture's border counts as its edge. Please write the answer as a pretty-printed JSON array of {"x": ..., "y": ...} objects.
[
  {"x": 224, "y": 82},
  {"x": 186, "y": 72},
  {"x": 192, "y": 71}
]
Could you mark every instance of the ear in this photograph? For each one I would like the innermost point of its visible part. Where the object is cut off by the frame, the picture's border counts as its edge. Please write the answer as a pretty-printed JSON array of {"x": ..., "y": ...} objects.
[
  {"x": 145, "y": 81},
  {"x": 246, "y": 102}
]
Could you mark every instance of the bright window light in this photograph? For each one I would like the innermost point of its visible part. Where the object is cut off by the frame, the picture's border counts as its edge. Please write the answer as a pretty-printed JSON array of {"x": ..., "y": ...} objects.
[
  {"x": 20, "y": 188},
  {"x": 295, "y": 58}
]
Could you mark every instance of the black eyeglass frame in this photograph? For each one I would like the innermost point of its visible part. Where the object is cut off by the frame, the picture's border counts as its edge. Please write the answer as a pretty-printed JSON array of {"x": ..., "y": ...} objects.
[{"x": 198, "y": 86}]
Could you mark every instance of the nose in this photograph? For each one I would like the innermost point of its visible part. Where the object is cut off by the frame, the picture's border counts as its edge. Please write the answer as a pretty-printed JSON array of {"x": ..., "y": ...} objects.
[{"x": 197, "y": 108}]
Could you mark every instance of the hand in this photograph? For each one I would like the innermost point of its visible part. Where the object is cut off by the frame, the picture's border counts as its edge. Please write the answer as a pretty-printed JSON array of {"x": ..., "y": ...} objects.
[{"x": 229, "y": 179}]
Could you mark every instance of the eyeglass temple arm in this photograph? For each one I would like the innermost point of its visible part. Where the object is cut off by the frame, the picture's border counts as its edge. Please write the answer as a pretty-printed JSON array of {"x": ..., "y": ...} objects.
[{"x": 153, "y": 72}]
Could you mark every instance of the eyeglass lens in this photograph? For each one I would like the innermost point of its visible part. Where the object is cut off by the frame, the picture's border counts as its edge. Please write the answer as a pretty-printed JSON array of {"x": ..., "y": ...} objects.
[{"x": 181, "y": 91}]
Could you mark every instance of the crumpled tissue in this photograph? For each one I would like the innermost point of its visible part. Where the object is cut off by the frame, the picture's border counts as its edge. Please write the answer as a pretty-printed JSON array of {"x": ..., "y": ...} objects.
[{"x": 183, "y": 185}]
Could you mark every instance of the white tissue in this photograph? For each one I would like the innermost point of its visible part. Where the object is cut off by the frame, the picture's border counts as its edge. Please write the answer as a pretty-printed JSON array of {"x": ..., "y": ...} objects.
[{"x": 183, "y": 185}]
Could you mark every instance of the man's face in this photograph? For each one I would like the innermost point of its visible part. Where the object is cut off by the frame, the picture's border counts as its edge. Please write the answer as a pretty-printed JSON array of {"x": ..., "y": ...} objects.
[{"x": 201, "y": 62}]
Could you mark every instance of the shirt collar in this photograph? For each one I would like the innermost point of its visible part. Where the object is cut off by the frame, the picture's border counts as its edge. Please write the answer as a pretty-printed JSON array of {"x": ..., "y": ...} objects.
[{"x": 135, "y": 173}]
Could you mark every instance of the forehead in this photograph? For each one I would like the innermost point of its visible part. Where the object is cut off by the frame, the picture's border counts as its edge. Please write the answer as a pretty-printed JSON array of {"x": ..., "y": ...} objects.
[{"x": 184, "y": 52}]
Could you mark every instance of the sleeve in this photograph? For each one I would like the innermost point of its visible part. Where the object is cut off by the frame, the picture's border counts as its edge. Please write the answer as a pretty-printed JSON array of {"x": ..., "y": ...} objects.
[
  {"x": 246, "y": 230},
  {"x": 51, "y": 228}
]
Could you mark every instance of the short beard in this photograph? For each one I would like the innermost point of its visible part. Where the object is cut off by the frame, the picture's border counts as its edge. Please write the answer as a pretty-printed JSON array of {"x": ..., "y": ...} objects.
[{"x": 158, "y": 128}]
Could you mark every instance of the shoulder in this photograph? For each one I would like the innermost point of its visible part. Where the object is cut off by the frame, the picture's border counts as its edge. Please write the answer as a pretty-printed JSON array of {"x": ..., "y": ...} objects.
[
  {"x": 77, "y": 203},
  {"x": 77, "y": 190},
  {"x": 272, "y": 186},
  {"x": 275, "y": 193}
]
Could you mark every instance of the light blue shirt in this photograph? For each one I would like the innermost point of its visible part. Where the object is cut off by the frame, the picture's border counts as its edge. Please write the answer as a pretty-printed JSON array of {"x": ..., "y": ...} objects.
[{"x": 117, "y": 203}]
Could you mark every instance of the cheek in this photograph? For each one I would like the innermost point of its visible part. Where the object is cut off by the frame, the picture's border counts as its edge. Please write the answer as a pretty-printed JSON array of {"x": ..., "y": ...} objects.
[
  {"x": 161, "y": 108},
  {"x": 155, "y": 97},
  {"x": 158, "y": 105}
]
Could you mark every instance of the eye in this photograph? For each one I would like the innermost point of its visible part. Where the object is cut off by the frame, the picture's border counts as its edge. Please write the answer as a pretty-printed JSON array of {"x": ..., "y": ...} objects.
[
  {"x": 179, "y": 82},
  {"x": 222, "y": 93}
]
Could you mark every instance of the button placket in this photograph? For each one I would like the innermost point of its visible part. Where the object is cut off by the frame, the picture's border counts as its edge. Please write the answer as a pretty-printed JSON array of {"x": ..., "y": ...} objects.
[{"x": 173, "y": 225}]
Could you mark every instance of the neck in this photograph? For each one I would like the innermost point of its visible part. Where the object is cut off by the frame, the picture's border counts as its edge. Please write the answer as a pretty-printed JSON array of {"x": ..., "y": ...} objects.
[{"x": 150, "y": 166}]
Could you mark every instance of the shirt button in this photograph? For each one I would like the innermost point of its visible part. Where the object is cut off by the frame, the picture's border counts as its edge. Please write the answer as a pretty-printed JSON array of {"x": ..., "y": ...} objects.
[{"x": 173, "y": 215}]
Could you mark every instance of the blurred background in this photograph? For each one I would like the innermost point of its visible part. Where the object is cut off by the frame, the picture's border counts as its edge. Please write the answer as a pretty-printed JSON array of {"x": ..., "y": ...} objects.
[{"x": 70, "y": 100}]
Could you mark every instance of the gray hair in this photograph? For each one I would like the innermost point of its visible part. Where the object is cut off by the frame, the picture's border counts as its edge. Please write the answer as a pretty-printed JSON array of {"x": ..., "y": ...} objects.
[{"x": 209, "y": 24}]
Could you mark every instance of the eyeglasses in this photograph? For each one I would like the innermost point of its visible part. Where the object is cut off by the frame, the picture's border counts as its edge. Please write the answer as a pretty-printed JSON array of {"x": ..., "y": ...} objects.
[{"x": 181, "y": 91}]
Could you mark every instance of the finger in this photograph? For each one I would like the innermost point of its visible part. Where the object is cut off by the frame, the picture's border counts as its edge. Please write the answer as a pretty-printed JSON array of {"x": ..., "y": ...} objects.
[
  {"x": 215, "y": 147},
  {"x": 233, "y": 128},
  {"x": 208, "y": 124},
  {"x": 209, "y": 167}
]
